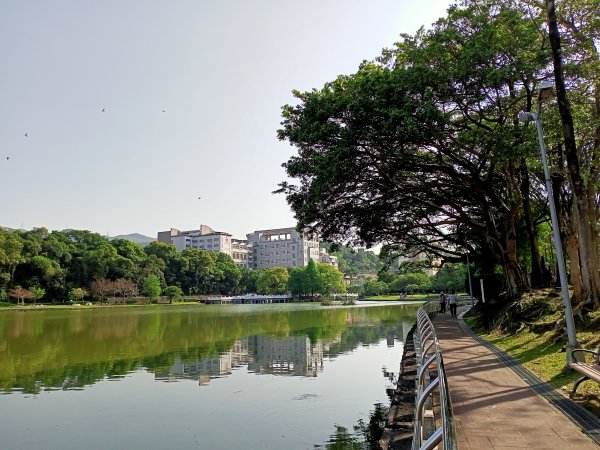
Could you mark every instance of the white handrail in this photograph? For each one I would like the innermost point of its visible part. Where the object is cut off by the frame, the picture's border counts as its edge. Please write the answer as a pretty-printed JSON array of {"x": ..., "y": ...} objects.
[{"x": 426, "y": 341}]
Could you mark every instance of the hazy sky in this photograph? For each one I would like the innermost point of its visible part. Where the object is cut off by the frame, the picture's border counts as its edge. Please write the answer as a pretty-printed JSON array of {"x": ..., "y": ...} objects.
[{"x": 192, "y": 93}]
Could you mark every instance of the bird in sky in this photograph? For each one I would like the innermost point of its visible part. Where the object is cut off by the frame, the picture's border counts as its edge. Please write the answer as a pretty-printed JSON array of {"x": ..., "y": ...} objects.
[
  {"x": 25, "y": 134},
  {"x": 163, "y": 110},
  {"x": 199, "y": 198},
  {"x": 7, "y": 158},
  {"x": 102, "y": 109}
]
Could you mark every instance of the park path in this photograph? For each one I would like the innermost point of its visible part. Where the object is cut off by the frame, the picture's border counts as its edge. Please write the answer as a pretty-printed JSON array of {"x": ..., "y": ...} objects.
[{"x": 494, "y": 407}]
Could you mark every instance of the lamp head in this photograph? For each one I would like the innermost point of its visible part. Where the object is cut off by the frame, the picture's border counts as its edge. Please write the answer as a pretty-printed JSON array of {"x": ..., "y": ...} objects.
[
  {"x": 545, "y": 91},
  {"x": 526, "y": 116}
]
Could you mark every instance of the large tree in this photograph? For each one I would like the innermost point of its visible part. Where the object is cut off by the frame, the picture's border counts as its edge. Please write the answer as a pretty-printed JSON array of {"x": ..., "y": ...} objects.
[
  {"x": 11, "y": 254},
  {"x": 332, "y": 280},
  {"x": 422, "y": 149},
  {"x": 578, "y": 69},
  {"x": 273, "y": 280}
]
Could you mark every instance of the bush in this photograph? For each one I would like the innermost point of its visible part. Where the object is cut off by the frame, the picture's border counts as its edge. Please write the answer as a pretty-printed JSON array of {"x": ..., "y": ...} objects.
[{"x": 326, "y": 300}]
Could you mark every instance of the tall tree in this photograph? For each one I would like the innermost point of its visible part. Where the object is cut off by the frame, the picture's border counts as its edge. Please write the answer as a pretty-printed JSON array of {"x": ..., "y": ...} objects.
[
  {"x": 583, "y": 207},
  {"x": 297, "y": 284},
  {"x": 151, "y": 286},
  {"x": 11, "y": 248},
  {"x": 273, "y": 280},
  {"x": 422, "y": 149},
  {"x": 332, "y": 280},
  {"x": 312, "y": 278},
  {"x": 229, "y": 274}
]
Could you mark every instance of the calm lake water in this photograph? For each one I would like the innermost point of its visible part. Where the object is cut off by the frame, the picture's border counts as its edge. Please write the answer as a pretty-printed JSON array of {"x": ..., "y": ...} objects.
[{"x": 297, "y": 376}]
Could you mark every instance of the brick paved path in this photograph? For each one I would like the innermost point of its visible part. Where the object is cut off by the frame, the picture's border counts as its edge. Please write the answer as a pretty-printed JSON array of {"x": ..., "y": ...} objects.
[{"x": 493, "y": 407}]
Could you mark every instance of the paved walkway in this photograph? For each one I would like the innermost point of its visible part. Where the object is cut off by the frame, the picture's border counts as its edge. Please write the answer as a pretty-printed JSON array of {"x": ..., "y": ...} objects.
[{"x": 493, "y": 407}]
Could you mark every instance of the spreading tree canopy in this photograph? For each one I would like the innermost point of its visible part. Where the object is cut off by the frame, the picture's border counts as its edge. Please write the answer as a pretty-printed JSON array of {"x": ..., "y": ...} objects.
[{"x": 422, "y": 150}]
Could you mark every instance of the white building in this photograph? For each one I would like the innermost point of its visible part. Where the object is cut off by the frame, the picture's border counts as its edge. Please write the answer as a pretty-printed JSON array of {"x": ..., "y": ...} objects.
[
  {"x": 205, "y": 238},
  {"x": 278, "y": 247},
  {"x": 281, "y": 247},
  {"x": 326, "y": 258}
]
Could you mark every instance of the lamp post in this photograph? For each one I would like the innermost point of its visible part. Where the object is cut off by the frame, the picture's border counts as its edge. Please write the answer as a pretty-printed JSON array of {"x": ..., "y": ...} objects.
[
  {"x": 571, "y": 338},
  {"x": 469, "y": 274}
]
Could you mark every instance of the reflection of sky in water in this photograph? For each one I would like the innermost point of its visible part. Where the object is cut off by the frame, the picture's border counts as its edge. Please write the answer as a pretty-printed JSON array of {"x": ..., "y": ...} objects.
[{"x": 262, "y": 392}]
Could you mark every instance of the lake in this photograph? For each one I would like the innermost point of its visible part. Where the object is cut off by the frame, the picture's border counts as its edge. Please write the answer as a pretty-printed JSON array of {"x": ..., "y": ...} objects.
[{"x": 279, "y": 376}]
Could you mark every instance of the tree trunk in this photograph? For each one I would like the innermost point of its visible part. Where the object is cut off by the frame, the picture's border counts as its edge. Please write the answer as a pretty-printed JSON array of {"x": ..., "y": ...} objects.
[
  {"x": 537, "y": 276},
  {"x": 516, "y": 279},
  {"x": 572, "y": 248},
  {"x": 588, "y": 257}
]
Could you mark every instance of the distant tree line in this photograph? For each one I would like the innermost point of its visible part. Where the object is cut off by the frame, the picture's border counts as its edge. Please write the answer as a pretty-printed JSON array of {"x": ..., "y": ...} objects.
[
  {"x": 74, "y": 265},
  {"x": 449, "y": 277},
  {"x": 354, "y": 262}
]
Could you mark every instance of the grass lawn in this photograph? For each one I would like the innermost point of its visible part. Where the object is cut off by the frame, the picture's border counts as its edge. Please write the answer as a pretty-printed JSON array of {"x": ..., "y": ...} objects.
[{"x": 412, "y": 297}]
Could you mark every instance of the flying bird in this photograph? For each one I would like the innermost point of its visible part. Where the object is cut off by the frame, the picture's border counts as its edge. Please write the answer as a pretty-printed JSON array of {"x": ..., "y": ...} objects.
[
  {"x": 199, "y": 198},
  {"x": 25, "y": 134},
  {"x": 7, "y": 158},
  {"x": 102, "y": 109},
  {"x": 163, "y": 110}
]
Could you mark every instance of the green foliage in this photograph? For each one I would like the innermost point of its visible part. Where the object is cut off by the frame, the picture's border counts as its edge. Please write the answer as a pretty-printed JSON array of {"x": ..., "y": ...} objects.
[
  {"x": 173, "y": 293},
  {"x": 315, "y": 279},
  {"x": 77, "y": 294},
  {"x": 421, "y": 148},
  {"x": 229, "y": 274},
  {"x": 151, "y": 286},
  {"x": 374, "y": 287},
  {"x": 248, "y": 281},
  {"x": 355, "y": 262},
  {"x": 61, "y": 261},
  {"x": 11, "y": 253},
  {"x": 297, "y": 283},
  {"x": 450, "y": 276},
  {"x": 273, "y": 280},
  {"x": 331, "y": 279},
  {"x": 411, "y": 282},
  {"x": 38, "y": 292},
  {"x": 312, "y": 278}
]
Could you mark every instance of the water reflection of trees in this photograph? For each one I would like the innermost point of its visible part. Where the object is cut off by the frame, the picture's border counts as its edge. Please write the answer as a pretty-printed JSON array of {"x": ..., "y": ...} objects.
[
  {"x": 69, "y": 350},
  {"x": 364, "y": 435}
]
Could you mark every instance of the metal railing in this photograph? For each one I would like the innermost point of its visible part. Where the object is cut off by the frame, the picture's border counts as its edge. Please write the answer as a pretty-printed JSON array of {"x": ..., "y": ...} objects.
[{"x": 433, "y": 423}]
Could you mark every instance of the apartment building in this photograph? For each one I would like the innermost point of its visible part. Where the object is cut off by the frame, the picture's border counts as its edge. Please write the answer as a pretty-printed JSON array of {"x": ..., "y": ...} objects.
[
  {"x": 326, "y": 258},
  {"x": 205, "y": 238},
  {"x": 277, "y": 247},
  {"x": 281, "y": 247}
]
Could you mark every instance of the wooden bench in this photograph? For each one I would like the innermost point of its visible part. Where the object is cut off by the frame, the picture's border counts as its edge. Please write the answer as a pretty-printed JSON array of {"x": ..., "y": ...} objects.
[{"x": 590, "y": 371}]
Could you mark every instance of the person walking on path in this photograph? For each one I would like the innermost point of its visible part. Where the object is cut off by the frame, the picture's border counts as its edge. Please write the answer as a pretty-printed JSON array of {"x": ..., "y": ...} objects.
[
  {"x": 453, "y": 302},
  {"x": 442, "y": 300}
]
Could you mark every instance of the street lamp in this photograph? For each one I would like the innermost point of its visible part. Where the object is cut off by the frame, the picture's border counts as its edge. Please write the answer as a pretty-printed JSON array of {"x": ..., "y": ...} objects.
[
  {"x": 469, "y": 274},
  {"x": 526, "y": 117}
]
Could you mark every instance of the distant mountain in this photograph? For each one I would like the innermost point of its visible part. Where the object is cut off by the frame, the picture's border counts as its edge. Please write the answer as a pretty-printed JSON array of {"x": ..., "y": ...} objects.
[{"x": 135, "y": 237}]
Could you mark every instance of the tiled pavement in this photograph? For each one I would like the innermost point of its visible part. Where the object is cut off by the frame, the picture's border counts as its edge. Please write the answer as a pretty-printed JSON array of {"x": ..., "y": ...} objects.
[{"x": 493, "y": 407}]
